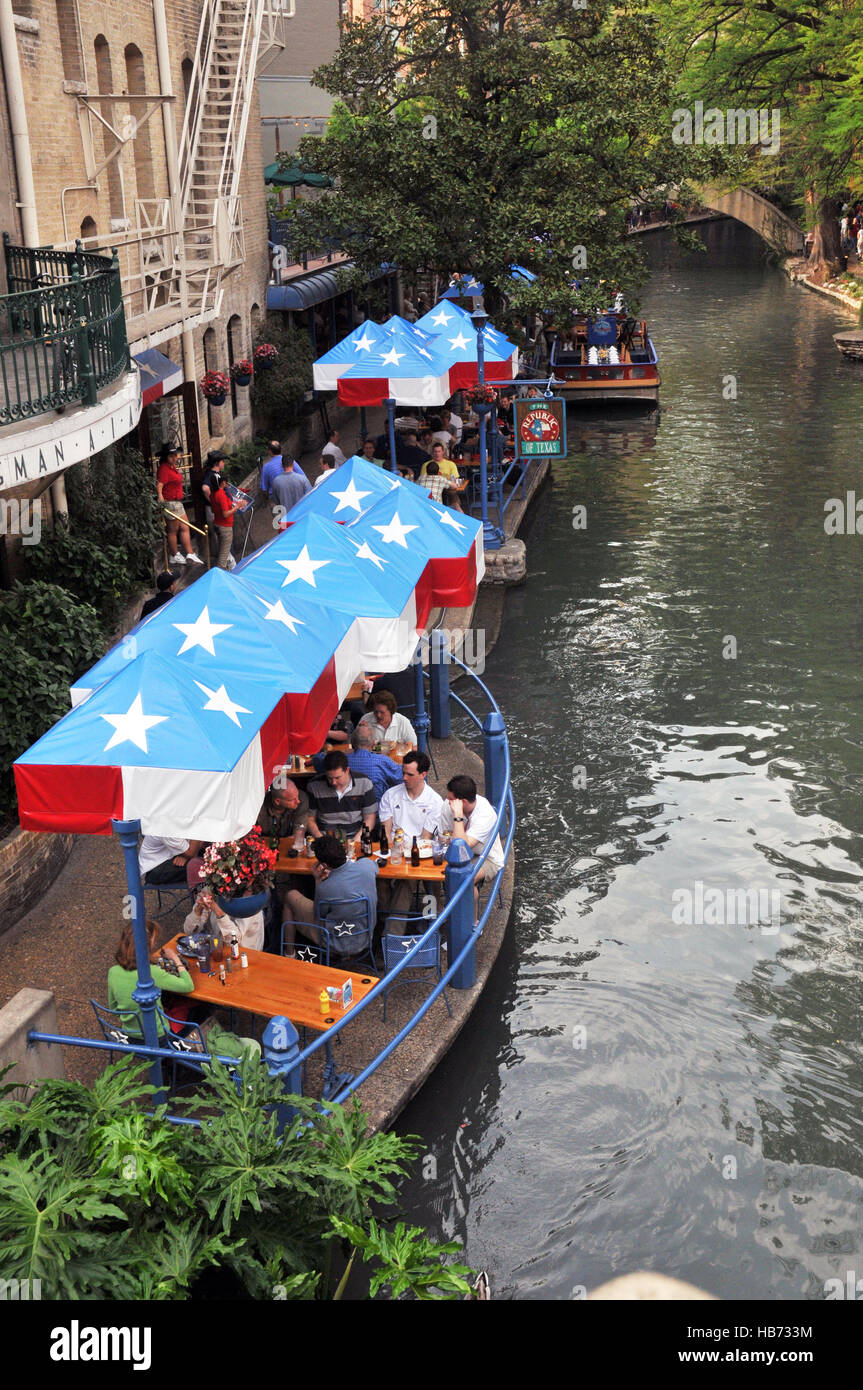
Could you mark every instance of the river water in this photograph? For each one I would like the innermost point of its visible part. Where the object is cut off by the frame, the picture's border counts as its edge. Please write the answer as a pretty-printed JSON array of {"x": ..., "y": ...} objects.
[{"x": 659, "y": 1075}]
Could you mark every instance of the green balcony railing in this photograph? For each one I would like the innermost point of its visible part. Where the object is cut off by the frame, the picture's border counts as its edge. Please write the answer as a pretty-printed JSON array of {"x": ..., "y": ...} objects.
[{"x": 62, "y": 329}]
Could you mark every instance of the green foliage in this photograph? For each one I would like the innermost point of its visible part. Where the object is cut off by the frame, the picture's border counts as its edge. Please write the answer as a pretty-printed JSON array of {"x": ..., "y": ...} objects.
[
  {"x": 278, "y": 394},
  {"x": 101, "y": 1197},
  {"x": 408, "y": 1260},
  {"x": 47, "y": 639},
  {"x": 471, "y": 136}
]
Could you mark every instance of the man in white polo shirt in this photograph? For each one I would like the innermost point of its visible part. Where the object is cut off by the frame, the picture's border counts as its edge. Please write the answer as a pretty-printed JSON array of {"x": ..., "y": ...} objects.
[
  {"x": 471, "y": 818},
  {"x": 412, "y": 806},
  {"x": 163, "y": 860}
]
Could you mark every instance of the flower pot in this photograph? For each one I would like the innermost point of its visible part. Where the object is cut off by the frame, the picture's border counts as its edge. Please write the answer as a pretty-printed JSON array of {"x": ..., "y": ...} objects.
[
  {"x": 218, "y": 399},
  {"x": 243, "y": 380},
  {"x": 244, "y": 907},
  {"x": 264, "y": 365}
]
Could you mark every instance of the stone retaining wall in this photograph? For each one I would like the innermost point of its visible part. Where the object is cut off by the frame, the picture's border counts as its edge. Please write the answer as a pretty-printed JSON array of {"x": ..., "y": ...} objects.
[{"x": 29, "y": 863}]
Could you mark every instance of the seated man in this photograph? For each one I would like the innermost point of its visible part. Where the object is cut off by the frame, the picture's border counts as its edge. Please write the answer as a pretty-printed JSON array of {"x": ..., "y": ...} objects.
[
  {"x": 335, "y": 880},
  {"x": 470, "y": 817},
  {"x": 413, "y": 806},
  {"x": 370, "y": 454},
  {"x": 385, "y": 724},
  {"x": 381, "y": 771},
  {"x": 434, "y": 484},
  {"x": 285, "y": 809},
  {"x": 164, "y": 861},
  {"x": 445, "y": 466},
  {"x": 340, "y": 801},
  {"x": 409, "y": 454}
]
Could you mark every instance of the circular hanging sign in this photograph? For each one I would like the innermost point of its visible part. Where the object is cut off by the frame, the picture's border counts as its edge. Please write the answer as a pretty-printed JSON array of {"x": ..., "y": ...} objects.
[{"x": 539, "y": 425}]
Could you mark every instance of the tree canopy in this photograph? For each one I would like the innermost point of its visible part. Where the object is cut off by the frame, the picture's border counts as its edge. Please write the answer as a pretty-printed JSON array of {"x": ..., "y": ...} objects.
[{"x": 477, "y": 134}]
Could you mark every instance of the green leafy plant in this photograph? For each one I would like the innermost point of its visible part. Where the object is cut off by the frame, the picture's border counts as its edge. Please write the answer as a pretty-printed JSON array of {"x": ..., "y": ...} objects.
[
  {"x": 101, "y": 1197},
  {"x": 280, "y": 392}
]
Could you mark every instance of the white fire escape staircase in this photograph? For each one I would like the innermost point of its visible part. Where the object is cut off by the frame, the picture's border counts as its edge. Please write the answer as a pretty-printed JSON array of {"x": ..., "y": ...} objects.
[{"x": 219, "y": 100}]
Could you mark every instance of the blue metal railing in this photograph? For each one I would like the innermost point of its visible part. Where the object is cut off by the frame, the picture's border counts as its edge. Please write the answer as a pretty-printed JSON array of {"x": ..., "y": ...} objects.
[{"x": 505, "y": 811}]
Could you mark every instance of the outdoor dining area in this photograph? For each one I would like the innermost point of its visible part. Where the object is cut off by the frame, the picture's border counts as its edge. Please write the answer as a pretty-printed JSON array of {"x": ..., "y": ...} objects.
[{"x": 274, "y": 890}]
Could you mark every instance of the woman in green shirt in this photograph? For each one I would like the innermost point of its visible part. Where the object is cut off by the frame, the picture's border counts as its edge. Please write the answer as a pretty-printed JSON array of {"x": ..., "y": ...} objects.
[{"x": 123, "y": 977}]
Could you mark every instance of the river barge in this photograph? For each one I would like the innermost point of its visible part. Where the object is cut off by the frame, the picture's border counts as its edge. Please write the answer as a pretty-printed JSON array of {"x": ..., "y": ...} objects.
[{"x": 607, "y": 359}]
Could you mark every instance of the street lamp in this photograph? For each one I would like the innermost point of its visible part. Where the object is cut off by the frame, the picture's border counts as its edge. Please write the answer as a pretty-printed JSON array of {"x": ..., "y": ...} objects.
[{"x": 492, "y": 536}]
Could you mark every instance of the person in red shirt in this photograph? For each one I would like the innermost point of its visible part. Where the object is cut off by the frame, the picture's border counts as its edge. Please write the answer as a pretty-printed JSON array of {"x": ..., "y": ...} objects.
[
  {"x": 169, "y": 487},
  {"x": 223, "y": 514}
]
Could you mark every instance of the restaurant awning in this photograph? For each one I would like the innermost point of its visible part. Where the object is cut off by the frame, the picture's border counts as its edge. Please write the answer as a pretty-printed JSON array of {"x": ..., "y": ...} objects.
[
  {"x": 303, "y": 294},
  {"x": 159, "y": 375},
  {"x": 293, "y": 176}
]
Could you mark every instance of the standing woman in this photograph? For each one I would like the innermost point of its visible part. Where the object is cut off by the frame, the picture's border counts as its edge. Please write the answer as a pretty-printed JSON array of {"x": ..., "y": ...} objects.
[
  {"x": 223, "y": 512},
  {"x": 169, "y": 487}
]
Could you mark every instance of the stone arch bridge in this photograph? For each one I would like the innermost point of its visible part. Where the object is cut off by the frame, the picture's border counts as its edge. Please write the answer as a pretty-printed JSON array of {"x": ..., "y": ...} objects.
[{"x": 775, "y": 227}]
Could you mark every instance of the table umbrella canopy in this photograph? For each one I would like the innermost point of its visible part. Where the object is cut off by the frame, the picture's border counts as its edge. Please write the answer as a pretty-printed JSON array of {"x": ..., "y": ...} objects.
[
  {"x": 444, "y": 547},
  {"x": 347, "y": 353},
  {"x": 463, "y": 287},
  {"x": 348, "y": 491},
  {"x": 406, "y": 371},
  {"x": 222, "y": 624},
  {"x": 292, "y": 176},
  {"x": 456, "y": 337},
  {"x": 158, "y": 744},
  {"x": 315, "y": 560}
]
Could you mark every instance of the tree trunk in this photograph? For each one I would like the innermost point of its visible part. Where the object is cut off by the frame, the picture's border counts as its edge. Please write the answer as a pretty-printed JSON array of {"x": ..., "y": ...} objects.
[{"x": 826, "y": 247}]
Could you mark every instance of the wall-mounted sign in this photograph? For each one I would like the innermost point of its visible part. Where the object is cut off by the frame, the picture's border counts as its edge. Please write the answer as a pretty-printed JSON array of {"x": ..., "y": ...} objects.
[
  {"x": 38, "y": 450},
  {"x": 540, "y": 428}
]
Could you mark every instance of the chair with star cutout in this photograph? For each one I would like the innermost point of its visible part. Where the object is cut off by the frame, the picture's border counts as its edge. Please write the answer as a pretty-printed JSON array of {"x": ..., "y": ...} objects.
[
  {"x": 346, "y": 923},
  {"x": 395, "y": 947},
  {"x": 297, "y": 947}
]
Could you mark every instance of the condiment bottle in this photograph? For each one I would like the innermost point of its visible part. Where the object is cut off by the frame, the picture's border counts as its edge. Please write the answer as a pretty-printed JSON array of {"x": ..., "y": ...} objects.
[{"x": 325, "y": 1001}]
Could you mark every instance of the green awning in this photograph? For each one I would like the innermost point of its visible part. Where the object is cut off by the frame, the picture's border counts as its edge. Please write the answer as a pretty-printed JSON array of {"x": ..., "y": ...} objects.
[{"x": 293, "y": 176}]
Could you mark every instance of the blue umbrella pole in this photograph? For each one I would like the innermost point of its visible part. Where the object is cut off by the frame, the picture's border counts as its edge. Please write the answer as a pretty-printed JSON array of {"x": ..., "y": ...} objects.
[{"x": 146, "y": 993}]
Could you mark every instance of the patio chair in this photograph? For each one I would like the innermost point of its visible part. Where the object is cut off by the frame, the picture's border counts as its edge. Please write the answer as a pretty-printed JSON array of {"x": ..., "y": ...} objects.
[
  {"x": 301, "y": 948},
  {"x": 346, "y": 921},
  {"x": 395, "y": 947},
  {"x": 175, "y": 894},
  {"x": 118, "y": 1025}
]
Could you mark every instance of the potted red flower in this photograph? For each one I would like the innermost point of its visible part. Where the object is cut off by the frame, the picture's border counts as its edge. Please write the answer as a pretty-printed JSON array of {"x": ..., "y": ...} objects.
[
  {"x": 241, "y": 372},
  {"x": 239, "y": 873},
  {"x": 214, "y": 385},
  {"x": 265, "y": 355}
]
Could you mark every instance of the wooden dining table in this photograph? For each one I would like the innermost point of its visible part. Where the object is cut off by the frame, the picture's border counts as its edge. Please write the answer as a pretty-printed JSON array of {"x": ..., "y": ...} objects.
[
  {"x": 273, "y": 985},
  {"x": 427, "y": 871}
]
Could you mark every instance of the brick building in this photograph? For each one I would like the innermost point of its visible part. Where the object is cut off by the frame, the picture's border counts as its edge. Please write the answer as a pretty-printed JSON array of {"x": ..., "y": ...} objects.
[{"x": 132, "y": 127}]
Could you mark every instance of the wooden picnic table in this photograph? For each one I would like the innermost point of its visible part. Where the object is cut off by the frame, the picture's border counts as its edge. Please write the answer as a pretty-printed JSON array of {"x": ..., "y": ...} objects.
[
  {"x": 295, "y": 766},
  {"x": 305, "y": 864},
  {"x": 273, "y": 985}
]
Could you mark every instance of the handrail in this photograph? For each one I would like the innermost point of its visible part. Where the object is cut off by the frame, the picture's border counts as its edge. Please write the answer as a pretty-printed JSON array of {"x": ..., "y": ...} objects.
[{"x": 63, "y": 337}]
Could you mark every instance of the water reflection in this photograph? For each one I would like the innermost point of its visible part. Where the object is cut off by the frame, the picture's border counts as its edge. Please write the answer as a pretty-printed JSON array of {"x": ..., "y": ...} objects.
[{"x": 640, "y": 1088}]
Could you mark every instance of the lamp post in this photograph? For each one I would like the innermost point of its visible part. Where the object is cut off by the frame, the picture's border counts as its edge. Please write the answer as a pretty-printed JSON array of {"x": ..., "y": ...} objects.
[{"x": 492, "y": 536}]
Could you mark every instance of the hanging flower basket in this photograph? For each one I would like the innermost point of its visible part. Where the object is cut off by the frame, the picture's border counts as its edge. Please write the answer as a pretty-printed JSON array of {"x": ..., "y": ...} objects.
[
  {"x": 265, "y": 355},
  {"x": 215, "y": 386},
  {"x": 482, "y": 395},
  {"x": 241, "y": 372},
  {"x": 239, "y": 873}
]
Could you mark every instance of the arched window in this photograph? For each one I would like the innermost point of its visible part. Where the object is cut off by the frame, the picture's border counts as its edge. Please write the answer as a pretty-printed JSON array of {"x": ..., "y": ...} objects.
[
  {"x": 188, "y": 68},
  {"x": 255, "y": 324},
  {"x": 105, "y": 84},
  {"x": 70, "y": 45},
  {"x": 88, "y": 230},
  {"x": 136, "y": 85},
  {"x": 235, "y": 351},
  {"x": 210, "y": 365}
]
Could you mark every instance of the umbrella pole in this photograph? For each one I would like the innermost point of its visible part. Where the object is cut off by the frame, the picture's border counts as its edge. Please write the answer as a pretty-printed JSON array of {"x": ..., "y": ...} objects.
[
  {"x": 391, "y": 421},
  {"x": 422, "y": 722},
  {"x": 145, "y": 993},
  {"x": 363, "y": 430}
]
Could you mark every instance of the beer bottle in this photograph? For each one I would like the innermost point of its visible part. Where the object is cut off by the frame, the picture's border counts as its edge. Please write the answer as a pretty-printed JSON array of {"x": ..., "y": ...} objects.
[
  {"x": 366, "y": 841},
  {"x": 415, "y": 854},
  {"x": 385, "y": 844}
]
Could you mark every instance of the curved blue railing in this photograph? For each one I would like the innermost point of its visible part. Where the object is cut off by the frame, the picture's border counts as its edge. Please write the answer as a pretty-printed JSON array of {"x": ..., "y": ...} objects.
[{"x": 505, "y": 811}]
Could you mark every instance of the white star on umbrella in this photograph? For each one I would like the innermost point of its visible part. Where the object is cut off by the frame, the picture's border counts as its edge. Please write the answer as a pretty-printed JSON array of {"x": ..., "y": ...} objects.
[
  {"x": 424, "y": 352},
  {"x": 394, "y": 533},
  {"x": 221, "y": 701},
  {"x": 303, "y": 567},
  {"x": 392, "y": 358},
  {"x": 459, "y": 341},
  {"x": 350, "y": 497},
  {"x": 448, "y": 519},
  {"x": 200, "y": 633},
  {"x": 441, "y": 318},
  {"x": 132, "y": 726},
  {"x": 363, "y": 344},
  {"x": 365, "y": 552},
  {"x": 277, "y": 613}
]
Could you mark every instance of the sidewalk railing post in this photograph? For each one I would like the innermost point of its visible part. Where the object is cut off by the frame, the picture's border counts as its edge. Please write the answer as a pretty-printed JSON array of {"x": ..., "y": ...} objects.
[
  {"x": 494, "y": 757},
  {"x": 459, "y": 867},
  {"x": 280, "y": 1051},
  {"x": 146, "y": 993},
  {"x": 439, "y": 684}
]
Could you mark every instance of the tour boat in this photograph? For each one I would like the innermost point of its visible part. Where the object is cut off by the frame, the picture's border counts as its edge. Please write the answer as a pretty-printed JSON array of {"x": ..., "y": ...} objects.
[{"x": 609, "y": 358}]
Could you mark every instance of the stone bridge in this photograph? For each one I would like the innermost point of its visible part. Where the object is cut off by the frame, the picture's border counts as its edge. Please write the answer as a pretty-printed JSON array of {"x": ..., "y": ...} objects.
[{"x": 773, "y": 225}]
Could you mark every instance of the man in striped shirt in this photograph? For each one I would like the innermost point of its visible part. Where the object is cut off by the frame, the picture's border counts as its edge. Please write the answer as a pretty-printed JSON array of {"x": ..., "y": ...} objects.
[
  {"x": 341, "y": 801},
  {"x": 381, "y": 771}
]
